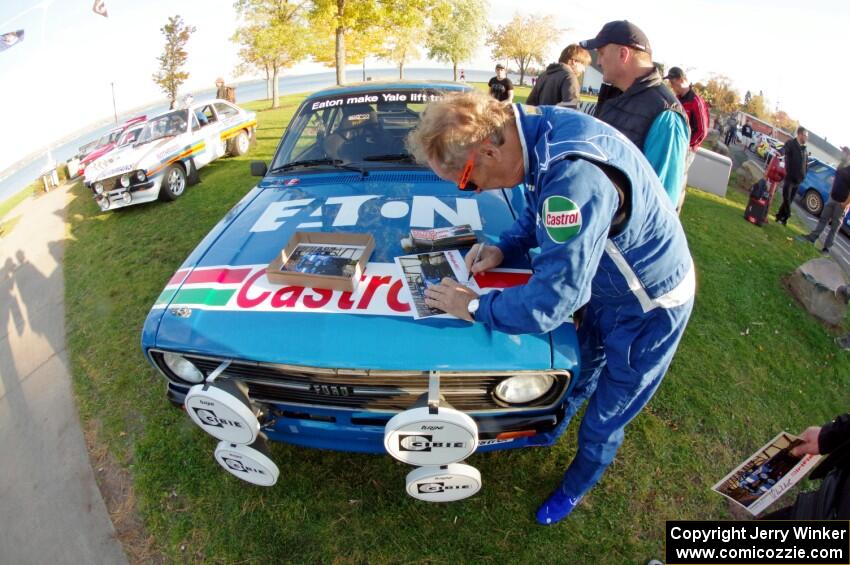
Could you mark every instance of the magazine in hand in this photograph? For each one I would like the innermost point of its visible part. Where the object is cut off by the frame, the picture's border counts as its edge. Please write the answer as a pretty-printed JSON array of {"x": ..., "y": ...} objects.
[
  {"x": 440, "y": 238},
  {"x": 421, "y": 270},
  {"x": 766, "y": 475}
]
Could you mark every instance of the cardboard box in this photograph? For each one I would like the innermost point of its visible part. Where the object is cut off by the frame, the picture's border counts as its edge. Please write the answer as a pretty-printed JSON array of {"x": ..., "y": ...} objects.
[{"x": 335, "y": 261}]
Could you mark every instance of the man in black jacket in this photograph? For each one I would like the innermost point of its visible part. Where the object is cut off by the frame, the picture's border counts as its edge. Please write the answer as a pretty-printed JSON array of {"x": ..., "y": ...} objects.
[
  {"x": 647, "y": 112},
  {"x": 558, "y": 85},
  {"x": 832, "y": 500},
  {"x": 796, "y": 163},
  {"x": 834, "y": 210}
]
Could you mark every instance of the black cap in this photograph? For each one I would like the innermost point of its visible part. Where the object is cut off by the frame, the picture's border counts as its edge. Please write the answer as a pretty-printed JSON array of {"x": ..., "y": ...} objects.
[
  {"x": 621, "y": 32},
  {"x": 675, "y": 72},
  {"x": 500, "y": 66}
]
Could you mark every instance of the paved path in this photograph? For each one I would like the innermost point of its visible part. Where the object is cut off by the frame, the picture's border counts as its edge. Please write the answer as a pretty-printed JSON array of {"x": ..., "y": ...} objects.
[{"x": 51, "y": 510}]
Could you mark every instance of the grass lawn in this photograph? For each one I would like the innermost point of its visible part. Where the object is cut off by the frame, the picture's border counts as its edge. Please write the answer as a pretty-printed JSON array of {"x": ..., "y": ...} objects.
[
  {"x": 10, "y": 203},
  {"x": 752, "y": 363}
]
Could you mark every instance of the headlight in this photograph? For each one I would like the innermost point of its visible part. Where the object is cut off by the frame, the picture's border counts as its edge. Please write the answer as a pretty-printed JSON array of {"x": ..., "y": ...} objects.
[
  {"x": 183, "y": 368},
  {"x": 522, "y": 389},
  {"x": 98, "y": 187},
  {"x": 140, "y": 176},
  {"x": 125, "y": 180}
]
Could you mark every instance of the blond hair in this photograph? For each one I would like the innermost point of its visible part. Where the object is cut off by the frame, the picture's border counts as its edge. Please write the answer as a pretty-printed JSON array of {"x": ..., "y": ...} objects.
[{"x": 448, "y": 128}]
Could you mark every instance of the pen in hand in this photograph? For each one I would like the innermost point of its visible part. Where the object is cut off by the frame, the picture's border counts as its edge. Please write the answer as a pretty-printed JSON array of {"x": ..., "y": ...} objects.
[{"x": 475, "y": 260}]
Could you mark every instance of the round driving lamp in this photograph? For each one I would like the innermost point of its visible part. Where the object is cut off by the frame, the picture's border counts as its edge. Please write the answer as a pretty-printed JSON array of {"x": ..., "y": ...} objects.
[
  {"x": 523, "y": 389},
  {"x": 98, "y": 187},
  {"x": 183, "y": 368},
  {"x": 126, "y": 197},
  {"x": 125, "y": 180},
  {"x": 140, "y": 176},
  {"x": 104, "y": 203}
]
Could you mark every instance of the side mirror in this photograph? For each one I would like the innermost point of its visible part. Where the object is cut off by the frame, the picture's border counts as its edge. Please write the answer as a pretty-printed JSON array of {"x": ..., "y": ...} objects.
[{"x": 258, "y": 169}]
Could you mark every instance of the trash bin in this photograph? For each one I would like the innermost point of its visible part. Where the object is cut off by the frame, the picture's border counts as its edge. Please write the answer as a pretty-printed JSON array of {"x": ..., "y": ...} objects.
[{"x": 710, "y": 172}]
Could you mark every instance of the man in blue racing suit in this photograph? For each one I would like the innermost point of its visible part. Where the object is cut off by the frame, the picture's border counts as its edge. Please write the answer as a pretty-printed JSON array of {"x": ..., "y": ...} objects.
[{"x": 609, "y": 242}]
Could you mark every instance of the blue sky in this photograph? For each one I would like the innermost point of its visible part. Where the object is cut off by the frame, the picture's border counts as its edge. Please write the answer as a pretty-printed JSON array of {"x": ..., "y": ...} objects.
[{"x": 58, "y": 80}]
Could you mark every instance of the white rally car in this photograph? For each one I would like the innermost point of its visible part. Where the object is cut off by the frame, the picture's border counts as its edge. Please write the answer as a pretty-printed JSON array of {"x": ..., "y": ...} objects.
[
  {"x": 129, "y": 138},
  {"x": 169, "y": 151}
]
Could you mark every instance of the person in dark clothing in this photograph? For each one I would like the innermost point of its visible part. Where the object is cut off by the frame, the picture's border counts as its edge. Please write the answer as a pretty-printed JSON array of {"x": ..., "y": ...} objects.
[
  {"x": 606, "y": 92},
  {"x": 220, "y": 89},
  {"x": 747, "y": 134},
  {"x": 832, "y": 500},
  {"x": 501, "y": 87},
  {"x": 834, "y": 210},
  {"x": 647, "y": 112},
  {"x": 698, "y": 119},
  {"x": 558, "y": 85},
  {"x": 732, "y": 129},
  {"x": 796, "y": 163}
]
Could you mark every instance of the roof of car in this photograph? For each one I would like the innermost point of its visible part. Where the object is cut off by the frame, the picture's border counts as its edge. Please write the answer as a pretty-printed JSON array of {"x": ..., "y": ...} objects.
[{"x": 389, "y": 85}]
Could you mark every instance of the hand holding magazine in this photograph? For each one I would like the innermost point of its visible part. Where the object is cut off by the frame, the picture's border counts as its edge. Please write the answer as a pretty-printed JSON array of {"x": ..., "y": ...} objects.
[
  {"x": 767, "y": 474},
  {"x": 421, "y": 270}
]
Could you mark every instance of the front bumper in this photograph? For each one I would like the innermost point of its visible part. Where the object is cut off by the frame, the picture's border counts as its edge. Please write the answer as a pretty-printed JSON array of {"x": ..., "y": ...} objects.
[
  {"x": 137, "y": 194},
  {"x": 363, "y": 432}
]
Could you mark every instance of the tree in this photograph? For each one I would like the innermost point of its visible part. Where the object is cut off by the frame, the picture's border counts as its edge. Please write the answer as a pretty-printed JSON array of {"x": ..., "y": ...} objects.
[
  {"x": 524, "y": 40},
  {"x": 274, "y": 37},
  {"x": 719, "y": 93},
  {"x": 784, "y": 122},
  {"x": 406, "y": 30},
  {"x": 757, "y": 106},
  {"x": 354, "y": 28},
  {"x": 456, "y": 30},
  {"x": 170, "y": 77}
]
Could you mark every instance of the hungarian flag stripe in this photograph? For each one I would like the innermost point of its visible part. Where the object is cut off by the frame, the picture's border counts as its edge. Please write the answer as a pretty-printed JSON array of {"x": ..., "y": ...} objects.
[
  {"x": 207, "y": 296},
  {"x": 223, "y": 276},
  {"x": 217, "y": 275},
  {"x": 501, "y": 279}
]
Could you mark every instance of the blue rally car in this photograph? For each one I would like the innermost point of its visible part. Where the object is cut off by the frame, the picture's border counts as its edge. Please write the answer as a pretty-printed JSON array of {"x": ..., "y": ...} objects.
[
  {"x": 353, "y": 371},
  {"x": 815, "y": 188}
]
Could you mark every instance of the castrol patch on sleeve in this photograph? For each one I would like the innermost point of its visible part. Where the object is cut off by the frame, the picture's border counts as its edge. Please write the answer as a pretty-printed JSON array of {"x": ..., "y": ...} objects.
[{"x": 561, "y": 218}]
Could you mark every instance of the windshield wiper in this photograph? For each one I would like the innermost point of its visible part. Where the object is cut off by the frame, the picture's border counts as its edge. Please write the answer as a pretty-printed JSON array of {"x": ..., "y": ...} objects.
[
  {"x": 391, "y": 157},
  {"x": 318, "y": 162}
]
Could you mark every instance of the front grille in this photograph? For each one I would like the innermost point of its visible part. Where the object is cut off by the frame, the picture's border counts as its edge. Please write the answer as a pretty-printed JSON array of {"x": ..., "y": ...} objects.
[
  {"x": 382, "y": 391},
  {"x": 108, "y": 184}
]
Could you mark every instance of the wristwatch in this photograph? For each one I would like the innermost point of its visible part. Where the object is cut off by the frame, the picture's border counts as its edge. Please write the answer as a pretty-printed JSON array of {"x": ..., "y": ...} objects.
[{"x": 472, "y": 308}]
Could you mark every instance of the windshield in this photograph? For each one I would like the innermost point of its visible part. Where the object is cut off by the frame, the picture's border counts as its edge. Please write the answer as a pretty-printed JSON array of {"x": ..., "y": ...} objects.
[
  {"x": 166, "y": 125},
  {"x": 130, "y": 136},
  {"x": 108, "y": 138},
  {"x": 367, "y": 128}
]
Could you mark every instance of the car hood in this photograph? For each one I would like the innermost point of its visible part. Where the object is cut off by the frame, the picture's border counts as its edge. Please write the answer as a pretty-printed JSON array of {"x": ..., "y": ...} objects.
[
  {"x": 220, "y": 302},
  {"x": 98, "y": 153},
  {"x": 127, "y": 159}
]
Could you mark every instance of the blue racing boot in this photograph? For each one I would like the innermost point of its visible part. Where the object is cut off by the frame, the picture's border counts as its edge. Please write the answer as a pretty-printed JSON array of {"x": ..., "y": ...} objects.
[{"x": 555, "y": 508}]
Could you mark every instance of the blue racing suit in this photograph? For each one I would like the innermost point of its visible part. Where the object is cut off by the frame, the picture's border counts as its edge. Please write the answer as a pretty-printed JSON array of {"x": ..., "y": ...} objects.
[{"x": 635, "y": 276}]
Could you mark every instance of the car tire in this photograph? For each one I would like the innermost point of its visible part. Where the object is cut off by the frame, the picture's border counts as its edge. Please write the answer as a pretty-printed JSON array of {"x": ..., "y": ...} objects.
[
  {"x": 173, "y": 183},
  {"x": 240, "y": 144},
  {"x": 812, "y": 202}
]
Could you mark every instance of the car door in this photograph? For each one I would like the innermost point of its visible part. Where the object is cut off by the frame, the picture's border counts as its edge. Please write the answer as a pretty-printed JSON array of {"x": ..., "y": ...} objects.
[{"x": 209, "y": 128}]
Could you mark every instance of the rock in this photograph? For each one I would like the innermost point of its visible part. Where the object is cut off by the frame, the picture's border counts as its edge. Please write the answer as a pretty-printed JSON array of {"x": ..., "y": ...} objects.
[
  {"x": 721, "y": 148},
  {"x": 749, "y": 173},
  {"x": 713, "y": 143},
  {"x": 813, "y": 283}
]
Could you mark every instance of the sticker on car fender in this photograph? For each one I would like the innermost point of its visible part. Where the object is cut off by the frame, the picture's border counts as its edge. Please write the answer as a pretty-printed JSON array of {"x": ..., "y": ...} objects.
[{"x": 246, "y": 288}]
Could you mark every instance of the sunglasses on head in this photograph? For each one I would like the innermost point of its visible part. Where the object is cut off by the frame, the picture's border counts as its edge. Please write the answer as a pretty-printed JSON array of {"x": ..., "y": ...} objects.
[{"x": 463, "y": 183}]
